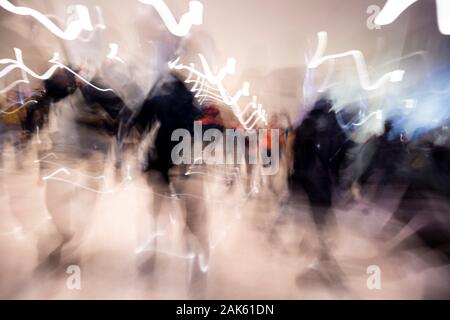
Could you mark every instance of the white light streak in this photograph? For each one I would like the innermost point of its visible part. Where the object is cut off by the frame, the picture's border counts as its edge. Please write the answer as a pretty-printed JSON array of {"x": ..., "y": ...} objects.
[
  {"x": 55, "y": 173},
  {"x": 53, "y": 176},
  {"x": 193, "y": 17},
  {"x": 215, "y": 83},
  {"x": 18, "y": 232},
  {"x": 38, "y": 135},
  {"x": 73, "y": 29},
  {"x": 378, "y": 115},
  {"x": 45, "y": 157},
  {"x": 18, "y": 109},
  {"x": 360, "y": 63},
  {"x": 12, "y": 85},
  {"x": 443, "y": 15},
  {"x": 114, "y": 49},
  {"x": 99, "y": 26},
  {"x": 19, "y": 64},
  {"x": 394, "y": 8}
]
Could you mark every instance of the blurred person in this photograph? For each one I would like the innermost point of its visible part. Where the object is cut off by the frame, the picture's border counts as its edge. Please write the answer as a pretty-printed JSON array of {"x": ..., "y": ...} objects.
[
  {"x": 319, "y": 150},
  {"x": 379, "y": 161},
  {"x": 87, "y": 120},
  {"x": 427, "y": 195},
  {"x": 170, "y": 106},
  {"x": 12, "y": 117},
  {"x": 412, "y": 174},
  {"x": 276, "y": 123}
]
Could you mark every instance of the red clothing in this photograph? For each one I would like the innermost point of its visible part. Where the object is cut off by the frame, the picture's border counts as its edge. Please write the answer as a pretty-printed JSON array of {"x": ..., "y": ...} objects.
[
  {"x": 211, "y": 116},
  {"x": 267, "y": 140}
]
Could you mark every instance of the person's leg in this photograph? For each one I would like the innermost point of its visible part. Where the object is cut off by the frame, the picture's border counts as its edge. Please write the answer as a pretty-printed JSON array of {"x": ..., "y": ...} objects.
[
  {"x": 410, "y": 204},
  {"x": 318, "y": 190},
  {"x": 196, "y": 235},
  {"x": 148, "y": 236},
  {"x": 58, "y": 200},
  {"x": 325, "y": 267},
  {"x": 85, "y": 199}
]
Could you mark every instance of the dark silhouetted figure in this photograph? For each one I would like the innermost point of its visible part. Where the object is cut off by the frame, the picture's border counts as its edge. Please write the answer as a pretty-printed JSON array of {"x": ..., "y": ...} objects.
[{"x": 171, "y": 105}]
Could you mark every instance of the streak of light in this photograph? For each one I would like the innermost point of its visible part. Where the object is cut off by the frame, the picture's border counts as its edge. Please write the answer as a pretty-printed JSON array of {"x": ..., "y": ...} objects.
[
  {"x": 98, "y": 26},
  {"x": 38, "y": 135},
  {"x": 224, "y": 97},
  {"x": 73, "y": 29},
  {"x": 12, "y": 85},
  {"x": 69, "y": 171},
  {"x": 212, "y": 243},
  {"x": 55, "y": 173},
  {"x": 18, "y": 63},
  {"x": 394, "y": 8},
  {"x": 18, "y": 232},
  {"x": 443, "y": 14},
  {"x": 45, "y": 157},
  {"x": 193, "y": 17},
  {"x": 378, "y": 114},
  {"x": 52, "y": 176},
  {"x": 361, "y": 67},
  {"x": 114, "y": 49},
  {"x": 421, "y": 54},
  {"x": 18, "y": 109},
  {"x": 77, "y": 75}
]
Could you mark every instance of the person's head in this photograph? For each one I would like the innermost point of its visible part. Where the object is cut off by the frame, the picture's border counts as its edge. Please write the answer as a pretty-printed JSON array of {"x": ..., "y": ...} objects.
[
  {"x": 60, "y": 85},
  {"x": 388, "y": 126},
  {"x": 322, "y": 105}
]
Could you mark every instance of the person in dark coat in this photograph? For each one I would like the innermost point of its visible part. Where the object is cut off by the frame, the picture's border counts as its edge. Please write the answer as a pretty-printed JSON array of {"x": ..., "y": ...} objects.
[
  {"x": 170, "y": 106},
  {"x": 87, "y": 122},
  {"x": 319, "y": 151}
]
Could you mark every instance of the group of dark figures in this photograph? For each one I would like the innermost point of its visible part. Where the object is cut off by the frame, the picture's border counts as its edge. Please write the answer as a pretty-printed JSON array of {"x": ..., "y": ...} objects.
[{"x": 324, "y": 164}]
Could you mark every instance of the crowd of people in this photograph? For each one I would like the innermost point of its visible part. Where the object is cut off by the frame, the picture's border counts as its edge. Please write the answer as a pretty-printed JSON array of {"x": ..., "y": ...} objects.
[{"x": 324, "y": 167}]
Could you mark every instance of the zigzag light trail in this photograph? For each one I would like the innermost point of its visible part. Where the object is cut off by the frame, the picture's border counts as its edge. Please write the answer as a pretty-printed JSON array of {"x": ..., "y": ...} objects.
[
  {"x": 12, "y": 85},
  {"x": 18, "y": 109},
  {"x": 193, "y": 17},
  {"x": 114, "y": 49},
  {"x": 73, "y": 29},
  {"x": 19, "y": 64},
  {"x": 361, "y": 66},
  {"x": 394, "y": 8},
  {"x": 216, "y": 80}
]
